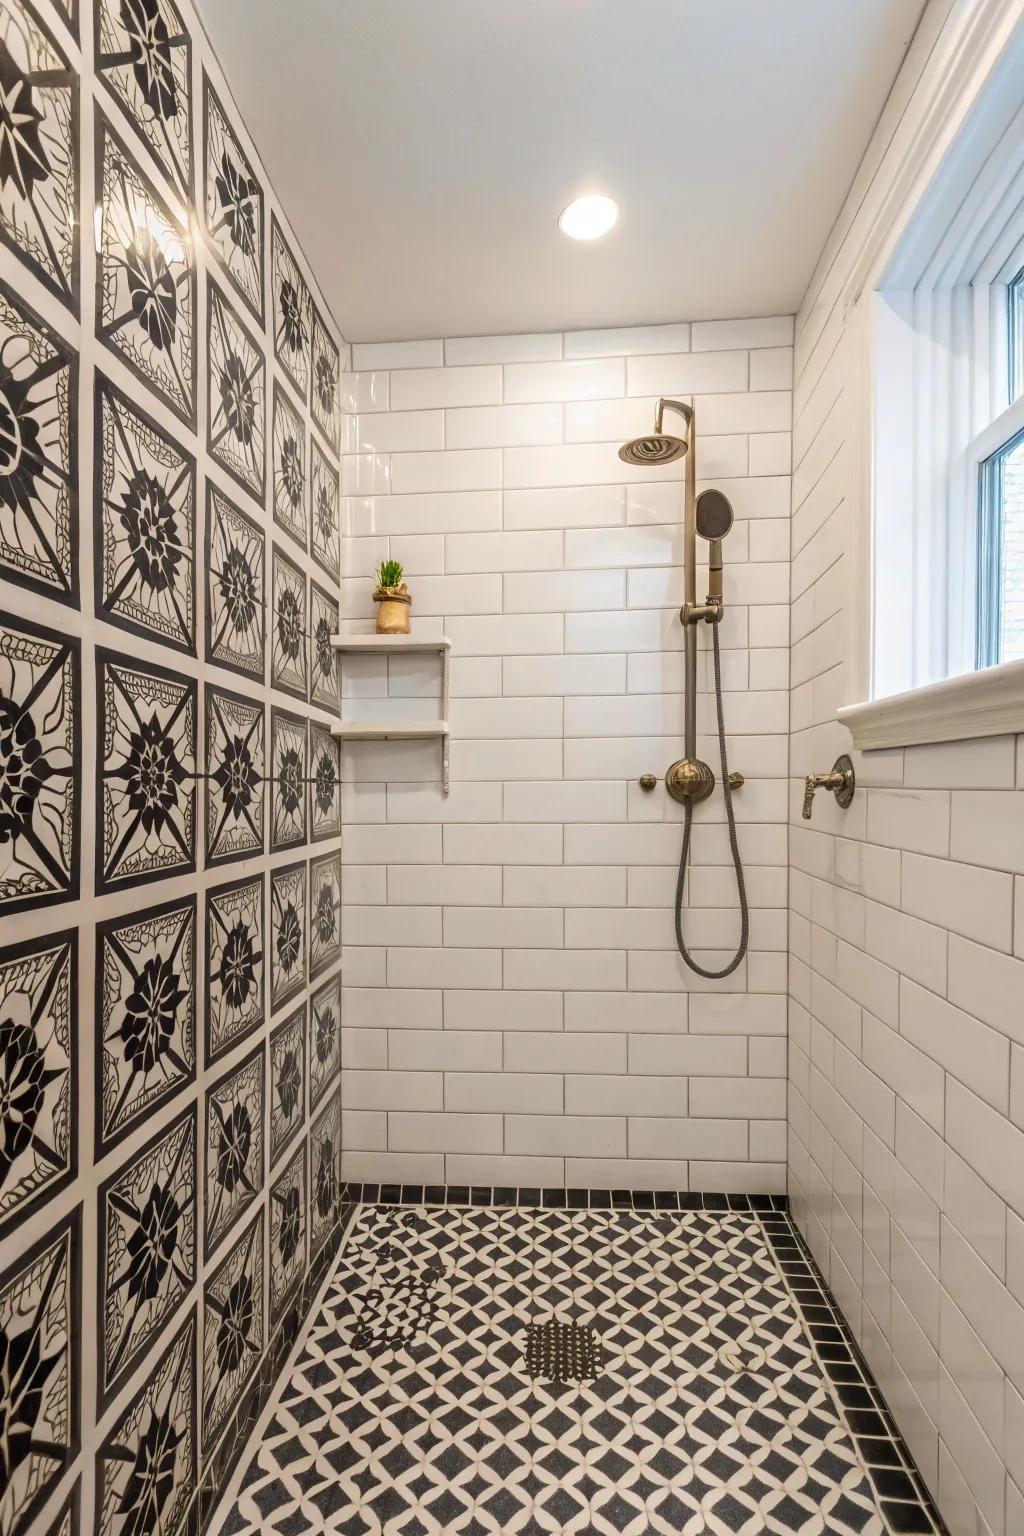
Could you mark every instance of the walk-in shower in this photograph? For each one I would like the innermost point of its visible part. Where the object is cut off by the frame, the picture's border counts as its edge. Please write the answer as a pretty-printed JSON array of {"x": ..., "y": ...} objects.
[{"x": 690, "y": 780}]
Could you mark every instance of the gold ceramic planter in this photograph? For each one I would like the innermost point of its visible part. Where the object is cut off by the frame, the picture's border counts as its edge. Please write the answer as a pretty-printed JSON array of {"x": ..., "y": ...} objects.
[{"x": 393, "y": 605}]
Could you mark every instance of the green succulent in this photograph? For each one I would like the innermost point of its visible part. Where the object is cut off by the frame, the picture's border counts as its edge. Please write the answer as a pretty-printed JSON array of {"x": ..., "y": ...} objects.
[{"x": 390, "y": 573}]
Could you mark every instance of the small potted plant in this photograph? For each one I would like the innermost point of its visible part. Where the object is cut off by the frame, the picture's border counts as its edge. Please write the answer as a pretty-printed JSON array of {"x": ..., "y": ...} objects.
[{"x": 393, "y": 599}]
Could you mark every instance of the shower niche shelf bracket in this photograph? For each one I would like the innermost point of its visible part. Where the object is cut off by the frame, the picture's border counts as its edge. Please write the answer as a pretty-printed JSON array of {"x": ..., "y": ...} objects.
[{"x": 398, "y": 730}]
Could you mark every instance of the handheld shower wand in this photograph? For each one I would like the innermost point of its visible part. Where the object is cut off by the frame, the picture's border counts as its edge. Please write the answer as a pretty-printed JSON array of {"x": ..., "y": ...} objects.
[{"x": 690, "y": 780}]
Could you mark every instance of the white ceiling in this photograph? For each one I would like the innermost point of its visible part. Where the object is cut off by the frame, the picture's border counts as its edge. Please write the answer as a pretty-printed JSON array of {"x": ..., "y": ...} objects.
[{"x": 424, "y": 148}]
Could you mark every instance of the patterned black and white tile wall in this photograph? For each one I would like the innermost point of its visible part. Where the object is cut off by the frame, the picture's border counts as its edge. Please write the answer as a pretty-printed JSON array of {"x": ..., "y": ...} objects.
[{"x": 170, "y": 430}]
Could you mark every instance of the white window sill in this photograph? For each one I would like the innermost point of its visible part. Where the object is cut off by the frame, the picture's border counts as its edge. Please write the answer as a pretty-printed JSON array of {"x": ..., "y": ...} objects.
[{"x": 986, "y": 703}]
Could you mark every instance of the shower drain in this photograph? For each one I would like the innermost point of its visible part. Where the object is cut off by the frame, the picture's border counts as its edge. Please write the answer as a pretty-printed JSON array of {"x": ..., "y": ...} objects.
[{"x": 562, "y": 1351}]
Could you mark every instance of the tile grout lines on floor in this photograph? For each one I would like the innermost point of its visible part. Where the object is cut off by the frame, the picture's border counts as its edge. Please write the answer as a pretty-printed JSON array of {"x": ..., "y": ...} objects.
[{"x": 412, "y": 1409}]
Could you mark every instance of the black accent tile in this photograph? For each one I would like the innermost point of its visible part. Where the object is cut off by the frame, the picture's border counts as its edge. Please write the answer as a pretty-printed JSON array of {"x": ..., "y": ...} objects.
[
  {"x": 907, "y": 1519},
  {"x": 892, "y": 1484}
]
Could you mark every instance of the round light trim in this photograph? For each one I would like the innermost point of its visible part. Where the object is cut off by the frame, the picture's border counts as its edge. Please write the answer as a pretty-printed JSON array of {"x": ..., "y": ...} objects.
[{"x": 589, "y": 217}]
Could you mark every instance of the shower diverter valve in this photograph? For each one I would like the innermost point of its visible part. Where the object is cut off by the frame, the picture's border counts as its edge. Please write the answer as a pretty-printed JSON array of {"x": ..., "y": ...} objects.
[{"x": 689, "y": 779}]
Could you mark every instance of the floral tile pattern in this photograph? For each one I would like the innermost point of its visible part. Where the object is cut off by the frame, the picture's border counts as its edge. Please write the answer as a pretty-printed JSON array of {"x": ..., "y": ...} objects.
[
  {"x": 40, "y": 765},
  {"x": 288, "y": 632},
  {"x": 145, "y": 631},
  {"x": 236, "y": 587},
  {"x": 287, "y": 1080},
  {"x": 324, "y": 621},
  {"x": 235, "y": 776},
  {"x": 292, "y": 312},
  {"x": 146, "y": 505},
  {"x": 234, "y": 1146},
  {"x": 38, "y": 1072},
  {"x": 145, "y": 1013},
  {"x": 144, "y": 57},
  {"x": 326, "y": 514},
  {"x": 40, "y": 1318},
  {"x": 288, "y": 770},
  {"x": 234, "y": 1330},
  {"x": 39, "y": 489},
  {"x": 324, "y": 1170},
  {"x": 232, "y": 202},
  {"x": 235, "y": 964},
  {"x": 325, "y": 398},
  {"x": 236, "y": 383},
  {"x": 40, "y": 181},
  {"x": 288, "y": 1223},
  {"x": 145, "y": 278},
  {"x": 148, "y": 1244},
  {"x": 324, "y": 784},
  {"x": 324, "y": 912},
  {"x": 146, "y": 790},
  {"x": 324, "y": 1039},
  {"x": 288, "y": 954},
  {"x": 291, "y": 483},
  {"x": 147, "y": 1466}
]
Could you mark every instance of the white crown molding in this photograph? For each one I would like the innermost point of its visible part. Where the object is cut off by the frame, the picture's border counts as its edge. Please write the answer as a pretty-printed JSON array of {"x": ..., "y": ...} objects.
[{"x": 986, "y": 703}]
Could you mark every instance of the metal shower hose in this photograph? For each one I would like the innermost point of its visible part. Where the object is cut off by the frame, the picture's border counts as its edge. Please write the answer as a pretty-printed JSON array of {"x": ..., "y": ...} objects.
[{"x": 733, "y": 844}]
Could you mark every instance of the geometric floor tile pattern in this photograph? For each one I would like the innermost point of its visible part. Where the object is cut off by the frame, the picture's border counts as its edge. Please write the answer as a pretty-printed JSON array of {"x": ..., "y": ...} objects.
[{"x": 412, "y": 1409}]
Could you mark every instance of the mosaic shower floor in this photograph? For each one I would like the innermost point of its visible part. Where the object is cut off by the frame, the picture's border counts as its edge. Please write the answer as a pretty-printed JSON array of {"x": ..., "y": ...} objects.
[{"x": 527, "y": 1370}]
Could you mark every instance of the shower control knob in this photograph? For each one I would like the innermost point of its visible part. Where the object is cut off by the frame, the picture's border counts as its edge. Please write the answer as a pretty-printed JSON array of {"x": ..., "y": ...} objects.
[
  {"x": 841, "y": 781},
  {"x": 647, "y": 782},
  {"x": 689, "y": 779}
]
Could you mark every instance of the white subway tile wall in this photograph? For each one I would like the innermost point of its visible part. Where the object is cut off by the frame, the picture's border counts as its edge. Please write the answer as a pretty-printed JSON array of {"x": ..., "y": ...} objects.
[
  {"x": 906, "y": 1099},
  {"x": 515, "y": 1008}
]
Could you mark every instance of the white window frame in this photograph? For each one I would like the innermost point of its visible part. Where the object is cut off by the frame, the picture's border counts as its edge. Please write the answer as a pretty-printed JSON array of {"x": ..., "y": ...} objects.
[
  {"x": 999, "y": 434},
  {"x": 928, "y": 333}
]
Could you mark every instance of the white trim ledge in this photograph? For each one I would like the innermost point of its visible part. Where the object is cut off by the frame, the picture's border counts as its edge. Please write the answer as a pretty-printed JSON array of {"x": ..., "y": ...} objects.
[{"x": 985, "y": 703}]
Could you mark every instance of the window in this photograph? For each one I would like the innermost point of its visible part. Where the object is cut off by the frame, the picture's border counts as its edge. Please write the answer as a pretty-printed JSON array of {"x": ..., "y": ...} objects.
[
  {"x": 1000, "y": 510},
  {"x": 947, "y": 408},
  {"x": 1015, "y": 345},
  {"x": 935, "y": 533},
  {"x": 1001, "y": 555}
]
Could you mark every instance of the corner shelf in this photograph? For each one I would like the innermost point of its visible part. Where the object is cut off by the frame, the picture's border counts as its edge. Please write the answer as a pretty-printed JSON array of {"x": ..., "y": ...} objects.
[{"x": 398, "y": 730}]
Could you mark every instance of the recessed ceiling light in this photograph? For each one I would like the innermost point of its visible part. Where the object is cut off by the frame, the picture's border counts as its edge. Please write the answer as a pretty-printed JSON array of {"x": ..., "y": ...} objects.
[{"x": 588, "y": 218}]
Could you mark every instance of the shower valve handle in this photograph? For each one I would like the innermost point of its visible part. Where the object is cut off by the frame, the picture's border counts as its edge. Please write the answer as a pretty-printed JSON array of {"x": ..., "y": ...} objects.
[{"x": 841, "y": 781}]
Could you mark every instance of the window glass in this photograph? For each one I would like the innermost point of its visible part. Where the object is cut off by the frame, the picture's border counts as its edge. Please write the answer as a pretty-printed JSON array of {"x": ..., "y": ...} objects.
[
  {"x": 1001, "y": 556},
  {"x": 1016, "y": 338}
]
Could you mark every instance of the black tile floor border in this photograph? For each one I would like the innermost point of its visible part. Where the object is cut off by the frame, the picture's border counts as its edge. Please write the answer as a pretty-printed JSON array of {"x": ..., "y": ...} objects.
[
  {"x": 560, "y": 1199},
  {"x": 899, "y": 1487}
]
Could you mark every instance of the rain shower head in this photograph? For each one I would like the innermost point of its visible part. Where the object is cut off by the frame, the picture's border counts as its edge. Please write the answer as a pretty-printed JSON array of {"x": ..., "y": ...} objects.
[{"x": 661, "y": 447}]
